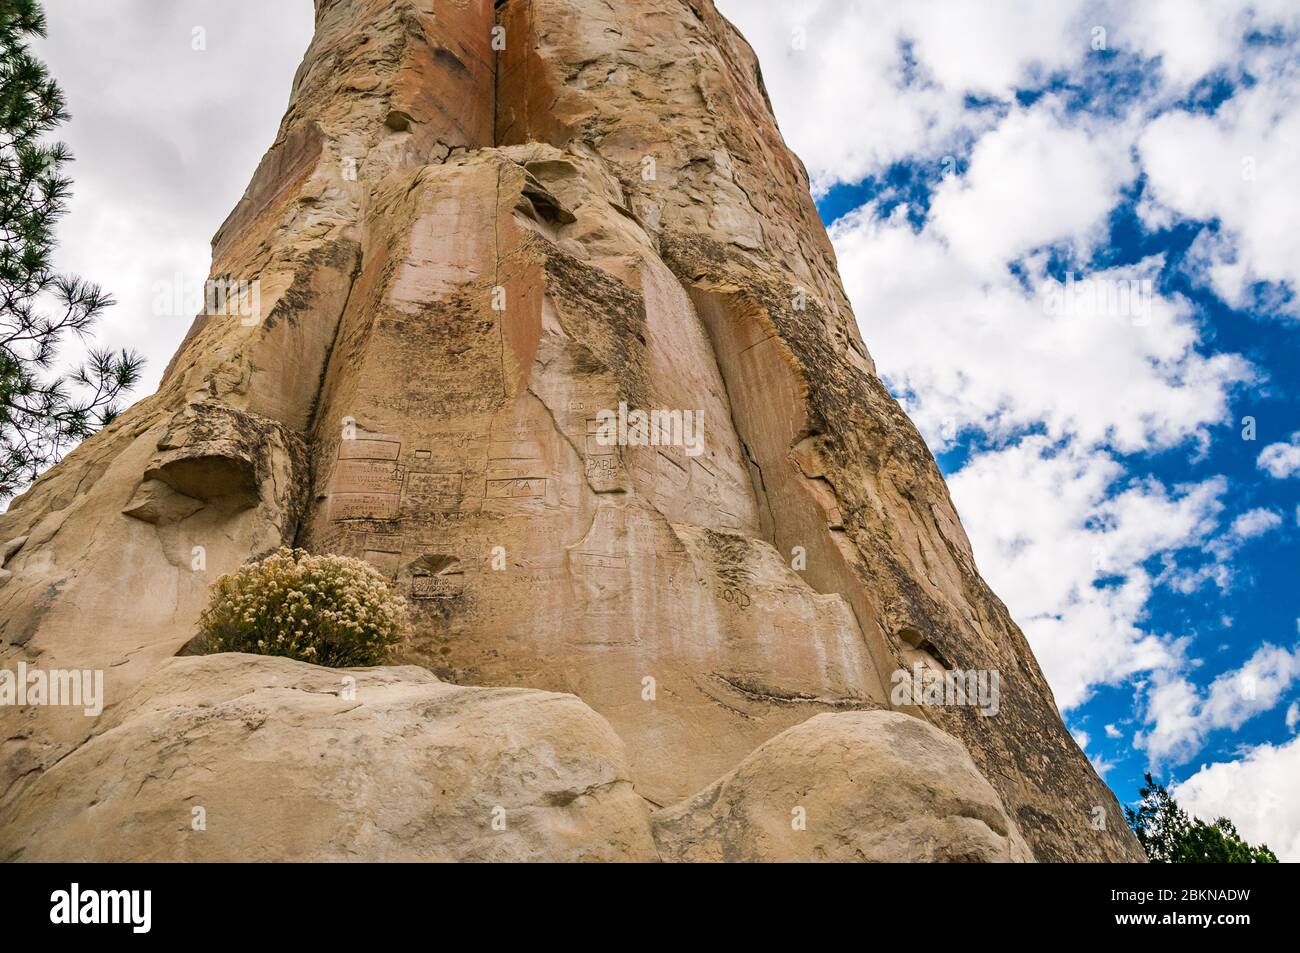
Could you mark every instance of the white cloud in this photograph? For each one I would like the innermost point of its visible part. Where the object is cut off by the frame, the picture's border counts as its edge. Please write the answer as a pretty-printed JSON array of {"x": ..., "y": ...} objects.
[
  {"x": 1113, "y": 732},
  {"x": 1192, "y": 38},
  {"x": 957, "y": 48},
  {"x": 991, "y": 47},
  {"x": 1293, "y": 715},
  {"x": 1181, "y": 716},
  {"x": 1244, "y": 174},
  {"x": 1032, "y": 180},
  {"x": 1255, "y": 523},
  {"x": 969, "y": 346},
  {"x": 1072, "y": 521},
  {"x": 1258, "y": 792},
  {"x": 1281, "y": 460},
  {"x": 907, "y": 108}
]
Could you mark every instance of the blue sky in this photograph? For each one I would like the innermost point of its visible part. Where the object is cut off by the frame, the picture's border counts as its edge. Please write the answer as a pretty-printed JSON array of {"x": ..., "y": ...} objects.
[
  {"x": 965, "y": 156},
  {"x": 968, "y": 158}
]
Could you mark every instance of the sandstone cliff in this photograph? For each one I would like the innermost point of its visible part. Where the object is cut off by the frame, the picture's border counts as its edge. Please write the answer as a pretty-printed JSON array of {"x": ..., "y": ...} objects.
[{"x": 481, "y": 227}]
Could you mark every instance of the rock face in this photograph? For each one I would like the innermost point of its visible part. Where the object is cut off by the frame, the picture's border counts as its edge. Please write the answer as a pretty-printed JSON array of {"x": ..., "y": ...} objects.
[{"x": 484, "y": 232}]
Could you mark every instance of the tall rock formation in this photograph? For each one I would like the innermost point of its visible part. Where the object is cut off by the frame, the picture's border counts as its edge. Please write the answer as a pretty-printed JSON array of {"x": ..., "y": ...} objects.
[{"x": 483, "y": 229}]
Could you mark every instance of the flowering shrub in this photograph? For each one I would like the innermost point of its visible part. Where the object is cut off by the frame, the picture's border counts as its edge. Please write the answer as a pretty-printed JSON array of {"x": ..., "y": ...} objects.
[{"x": 329, "y": 610}]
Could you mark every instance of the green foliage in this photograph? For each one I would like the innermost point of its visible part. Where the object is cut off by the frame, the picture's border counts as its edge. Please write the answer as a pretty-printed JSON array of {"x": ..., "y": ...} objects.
[
  {"x": 329, "y": 610},
  {"x": 1169, "y": 836},
  {"x": 41, "y": 413}
]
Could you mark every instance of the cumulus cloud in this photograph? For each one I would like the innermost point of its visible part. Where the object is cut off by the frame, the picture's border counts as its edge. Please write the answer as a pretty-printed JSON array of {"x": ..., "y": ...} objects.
[
  {"x": 1180, "y": 715},
  {"x": 1192, "y": 38},
  {"x": 1257, "y": 791},
  {"x": 1072, "y": 172},
  {"x": 1243, "y": 179},
  {"x": 969, "y": 344},
  {"x": 1281, "y": 460},
  {"x": 910, "y": 67},
  {"x": 1074, "y": 521},
  {"x": 1255, "y": 523}
]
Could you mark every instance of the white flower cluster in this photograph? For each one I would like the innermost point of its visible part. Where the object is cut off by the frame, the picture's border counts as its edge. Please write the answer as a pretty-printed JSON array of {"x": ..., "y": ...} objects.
[{"x": 330, "y": 610}]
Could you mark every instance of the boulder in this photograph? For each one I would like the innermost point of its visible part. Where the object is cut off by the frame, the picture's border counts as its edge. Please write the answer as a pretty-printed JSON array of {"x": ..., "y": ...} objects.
[
  {"x": 247, "y": 758},
  {"x": 874, "y": 786}
]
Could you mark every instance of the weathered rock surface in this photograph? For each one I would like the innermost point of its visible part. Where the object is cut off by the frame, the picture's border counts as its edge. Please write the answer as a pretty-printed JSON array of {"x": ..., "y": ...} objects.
[
  {"x": 240, "y": 757},
  {"x": 480, "y": 226},
  {"x": 854, "y": 786}
]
